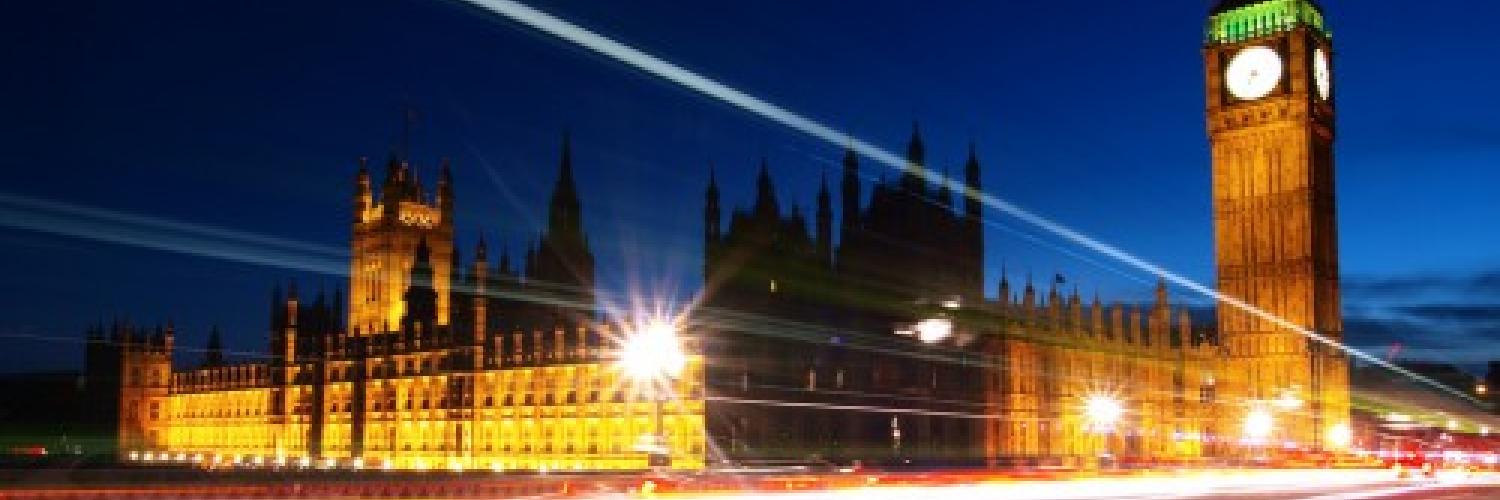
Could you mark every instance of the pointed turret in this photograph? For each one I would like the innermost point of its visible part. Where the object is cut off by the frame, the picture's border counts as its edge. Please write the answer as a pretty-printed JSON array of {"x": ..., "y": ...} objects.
[
  {"x": 421, "y": 266},
  {"x": 528, "y": 262},
  {"x": 479, "y": 282},
  {"x": 912, "y": 180},
  {"x": 214, "y": 354},
  {"x": 363, "y": 196},
  {"x": 291, "y": 324},
  {"x": 1117, "y": 331},
  {"x": 458, "y": 291},
  {"x": 278, "y": 309},
  {"x": 1185, "y": 337},
  {"x": 1004, "y": 292},
  {"x": 766, "y": 208},
  {"x": 421, "y": 298},
  {"x": 1028, "y": 298},
  {"x": 169, "y": 337},
  {"x": 825, "y": 224},
  {"x": 1054, "y": 306},
  {"x": 562, "y": 261},
  {"x": 445, "y": 189},
  {"x": 1075, "y": 311},
  {"x": 1096, "y": 316},
  {"x": 393, "y": 189},
  {"x": 564, "y": 220},
  {"x": 336, "y": 315},
  {"x": 973, "y": 228},
  {"x": 972, "y": 208},
  {"x": 850, "y": 196},
  {"x": 393, "y": 168},
  {"x": 1159, "y": 323},
  {"x": 319, "y": 312},
  {"x": 1137, "y": 335},
  {"x": 505, "y": 267},
  {"x": 1052, "y": 295},
  {"x": 712, "y": 216}
]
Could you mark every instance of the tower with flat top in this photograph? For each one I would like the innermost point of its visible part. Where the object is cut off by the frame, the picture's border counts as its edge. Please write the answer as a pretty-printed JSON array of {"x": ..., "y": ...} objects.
[{"x": 387, "y": 232}]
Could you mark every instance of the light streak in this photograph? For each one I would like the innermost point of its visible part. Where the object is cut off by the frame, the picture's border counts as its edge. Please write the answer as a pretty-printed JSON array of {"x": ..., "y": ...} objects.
[
  {"x": 167, "y": 235},
  {"x": 709, "y": 87},
  {"x": 1322, "y": 485},
  {"x": 847, "y": 407}
]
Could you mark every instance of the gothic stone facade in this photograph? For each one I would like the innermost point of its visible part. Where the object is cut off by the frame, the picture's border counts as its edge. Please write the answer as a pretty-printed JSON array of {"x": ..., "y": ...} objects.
[
  {"x": 880, "y": 346},
  {"x": 818, "y": 351},
  {"x": 450, "y": 369}
]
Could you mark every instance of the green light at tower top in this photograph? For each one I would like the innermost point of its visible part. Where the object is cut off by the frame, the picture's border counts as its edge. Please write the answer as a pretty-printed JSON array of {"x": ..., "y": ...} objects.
[{"x": 1238, "y": 20}]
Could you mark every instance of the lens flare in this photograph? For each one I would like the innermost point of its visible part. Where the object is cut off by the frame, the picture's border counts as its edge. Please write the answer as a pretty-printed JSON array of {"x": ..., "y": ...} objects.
[
  {"x": 1258, "y": 425},
  {"x": 652, "y": 350},
  {"x": 1103, "y": 411}
]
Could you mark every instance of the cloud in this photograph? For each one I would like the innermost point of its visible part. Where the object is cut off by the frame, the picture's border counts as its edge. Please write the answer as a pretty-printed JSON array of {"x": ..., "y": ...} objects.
[
  {"x": 1410, "y": 312},
  {"x": 1477, "y": 286},
  {"x": 1453, "y": 318},
  {"x": 1474, "y": 360},
  {"x": 1487, "y": 315}
]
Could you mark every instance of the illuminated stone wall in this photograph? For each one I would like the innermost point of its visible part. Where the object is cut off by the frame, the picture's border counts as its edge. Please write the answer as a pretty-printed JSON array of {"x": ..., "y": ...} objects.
[
  {"x": 1049, "y": 360},
  {"x": 386, "y": 232},
  {"x": 568, "y": 416}
]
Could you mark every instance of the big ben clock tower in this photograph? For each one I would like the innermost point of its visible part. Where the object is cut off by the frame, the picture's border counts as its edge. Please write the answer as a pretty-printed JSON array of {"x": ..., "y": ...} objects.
[{"x": 1271, "y": 109}]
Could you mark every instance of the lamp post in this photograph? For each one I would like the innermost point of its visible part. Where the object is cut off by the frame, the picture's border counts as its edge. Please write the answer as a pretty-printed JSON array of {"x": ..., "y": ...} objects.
[
  {"x": 1103, "y": 412},
  {"x": 1341, "y": 437},
  {"x": 1258, "y": 426},
  {"x": 651, "y": 355}
]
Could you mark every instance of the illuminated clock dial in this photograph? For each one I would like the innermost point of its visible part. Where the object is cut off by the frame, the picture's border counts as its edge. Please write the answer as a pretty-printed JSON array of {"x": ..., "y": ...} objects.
[
  {"x": 1322, "y": 77},
  {"x": 1253, "y": 73}
]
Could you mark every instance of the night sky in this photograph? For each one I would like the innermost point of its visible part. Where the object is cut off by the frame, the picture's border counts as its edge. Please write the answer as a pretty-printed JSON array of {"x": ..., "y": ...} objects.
[{"x": 173, "y": 160}]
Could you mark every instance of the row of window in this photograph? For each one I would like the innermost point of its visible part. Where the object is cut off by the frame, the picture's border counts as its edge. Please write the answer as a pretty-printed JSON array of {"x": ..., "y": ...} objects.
[{"x": 527, "y": 399}]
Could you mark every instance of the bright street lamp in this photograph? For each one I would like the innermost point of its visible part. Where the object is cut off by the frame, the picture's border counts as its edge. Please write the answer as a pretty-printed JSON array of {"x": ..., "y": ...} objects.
[
  {"x": 1258, "y": 425},
  {"x": 933, "y": 330},
  {"x": 1340, "y": 436},
  {"x": 1103, "y": 411},
  {"x": 651, "y": 355}
]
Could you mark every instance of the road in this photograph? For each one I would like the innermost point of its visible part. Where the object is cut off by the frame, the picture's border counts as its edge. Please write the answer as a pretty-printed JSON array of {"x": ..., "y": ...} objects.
[
  {"x": 1256, "y": 485},
  {"x": 1180, "y": 485}
]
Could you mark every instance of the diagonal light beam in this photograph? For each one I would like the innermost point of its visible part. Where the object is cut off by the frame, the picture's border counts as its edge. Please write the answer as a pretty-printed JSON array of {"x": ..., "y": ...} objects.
[{"x": 638, "y": 59}]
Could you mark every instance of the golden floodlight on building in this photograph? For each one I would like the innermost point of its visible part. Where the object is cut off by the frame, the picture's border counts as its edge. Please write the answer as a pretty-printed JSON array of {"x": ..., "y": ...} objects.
[
  {"x": 1340, "y": 436},
  {"x": 1258, "y": 425},
  {"x": 1103, "y": 411},
  {"x": 651, "y": 355},
  {"x": 651, "y": 352},
  {"x": 933, "y": 330}
]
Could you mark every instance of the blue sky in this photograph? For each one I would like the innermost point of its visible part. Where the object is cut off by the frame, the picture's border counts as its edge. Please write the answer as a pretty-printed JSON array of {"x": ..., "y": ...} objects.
[{"x": 250, "y": 117}]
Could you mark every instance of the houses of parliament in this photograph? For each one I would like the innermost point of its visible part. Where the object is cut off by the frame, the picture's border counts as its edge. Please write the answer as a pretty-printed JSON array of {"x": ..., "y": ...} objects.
[{"x": 871, "y": 338}]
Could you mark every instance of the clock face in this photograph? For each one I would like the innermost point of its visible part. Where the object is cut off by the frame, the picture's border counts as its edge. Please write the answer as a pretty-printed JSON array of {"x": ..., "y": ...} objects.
[
  {"x": 1322, "y": 77},
  {"x": 1253, "y": 73}
]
